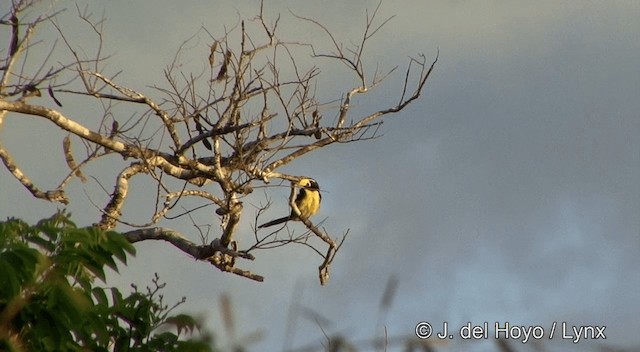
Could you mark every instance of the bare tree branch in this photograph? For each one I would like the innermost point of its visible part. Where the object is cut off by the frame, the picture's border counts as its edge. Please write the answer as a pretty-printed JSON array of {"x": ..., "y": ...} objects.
[
  {"x": 52, "y": 196},
  {"x": 232, "y": 126},
  {"x": 212, "y": 252}
]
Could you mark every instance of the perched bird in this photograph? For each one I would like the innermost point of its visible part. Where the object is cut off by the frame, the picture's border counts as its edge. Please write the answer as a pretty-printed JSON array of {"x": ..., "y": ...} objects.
[{"x": 308, "y": 202}]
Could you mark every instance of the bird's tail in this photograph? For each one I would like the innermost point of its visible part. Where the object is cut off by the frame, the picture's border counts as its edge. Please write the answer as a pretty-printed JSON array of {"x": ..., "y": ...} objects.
[{"x": 275, "y": 222}]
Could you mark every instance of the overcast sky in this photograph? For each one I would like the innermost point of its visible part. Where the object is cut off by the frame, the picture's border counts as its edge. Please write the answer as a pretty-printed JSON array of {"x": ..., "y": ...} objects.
[{"x": 508, "y": 193}]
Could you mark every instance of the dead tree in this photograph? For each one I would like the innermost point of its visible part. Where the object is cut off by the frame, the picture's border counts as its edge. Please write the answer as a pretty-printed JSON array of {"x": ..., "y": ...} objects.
[{"x": 213, "y": 135}]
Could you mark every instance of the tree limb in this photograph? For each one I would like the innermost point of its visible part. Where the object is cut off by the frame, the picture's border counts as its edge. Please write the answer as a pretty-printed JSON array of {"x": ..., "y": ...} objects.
[
  {"x": 211, "y": 252},
  {"x": 52, "y": 196}
]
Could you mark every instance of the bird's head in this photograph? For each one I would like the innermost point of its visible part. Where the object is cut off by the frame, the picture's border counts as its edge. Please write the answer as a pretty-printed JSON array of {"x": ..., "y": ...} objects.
[{"x": 308, "y": 183}]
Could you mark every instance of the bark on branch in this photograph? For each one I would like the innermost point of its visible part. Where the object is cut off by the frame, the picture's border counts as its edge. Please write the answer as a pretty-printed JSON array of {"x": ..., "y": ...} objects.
[
  {"x": 215, "y": 253},
  {"x": 251, "y": 112}
]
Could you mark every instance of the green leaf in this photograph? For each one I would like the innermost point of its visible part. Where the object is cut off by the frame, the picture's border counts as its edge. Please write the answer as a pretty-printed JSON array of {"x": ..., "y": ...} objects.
[
  {"x": 183, "y": 322},
  {"x": 47, "y": 281},
  {"x": 116, "y": 296},
  {"x": 166, "y": 338},
  {"x": 43, "y": 243},
  {"x": 18, "y": 267},
  {"x": 100, "y": 296},
  {"x": 10, "y": 280},
  {"x": 94, "y": 266}
]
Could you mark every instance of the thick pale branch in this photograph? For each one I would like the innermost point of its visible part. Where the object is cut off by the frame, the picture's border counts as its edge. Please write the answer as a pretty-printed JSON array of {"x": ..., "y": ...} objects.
[
  {"x": 68, "y": 156},
  {"x": 112, "y": 212},
  {"x": 234, "y": 217},
  {"x": 214, "y": 252},
  {"x": 171, "y": 164},
  {"x": 64, "y": 123},
  {"x": 168, "y": 203},
  {"x": 200, "y": 252},
  {"x": 52, "y": 196},
  {"x": 344, "y": 107}
]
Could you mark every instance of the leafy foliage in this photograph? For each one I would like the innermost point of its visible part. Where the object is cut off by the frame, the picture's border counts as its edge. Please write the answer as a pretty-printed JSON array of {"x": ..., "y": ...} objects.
[{"x": 49, "y": 300}]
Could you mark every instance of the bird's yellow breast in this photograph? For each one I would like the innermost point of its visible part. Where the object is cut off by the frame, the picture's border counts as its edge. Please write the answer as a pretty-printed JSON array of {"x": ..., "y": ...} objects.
[{"x": 309, "y": 203}]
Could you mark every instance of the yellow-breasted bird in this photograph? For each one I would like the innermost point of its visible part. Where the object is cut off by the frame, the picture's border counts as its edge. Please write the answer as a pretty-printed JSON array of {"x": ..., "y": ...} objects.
[{"x": 308, "y": 202}]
